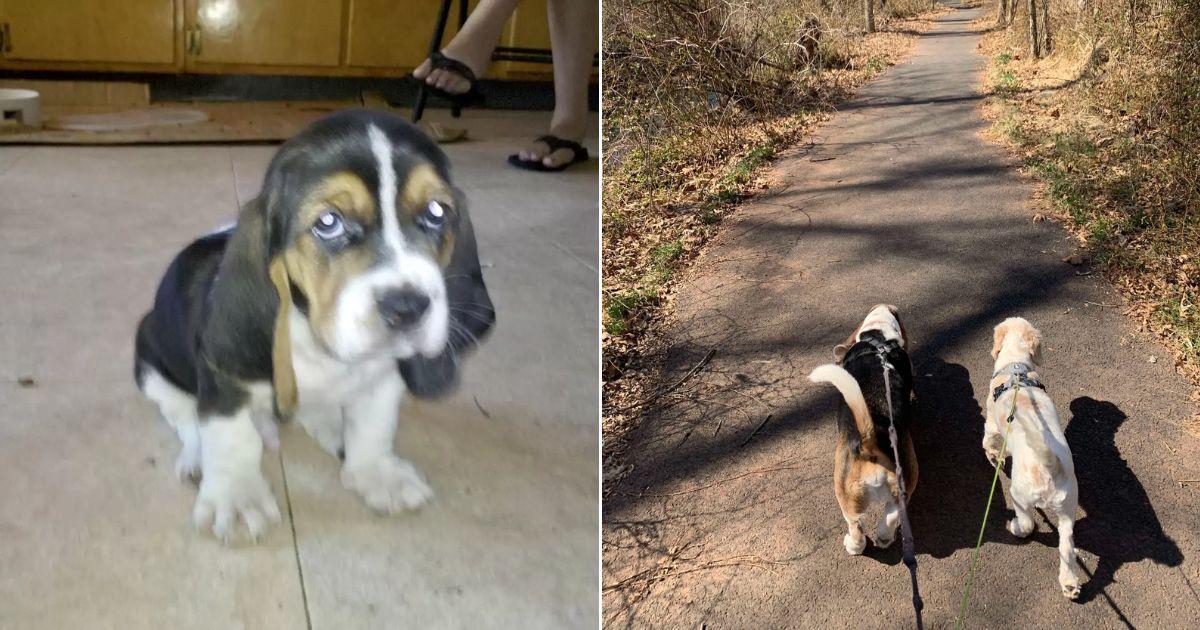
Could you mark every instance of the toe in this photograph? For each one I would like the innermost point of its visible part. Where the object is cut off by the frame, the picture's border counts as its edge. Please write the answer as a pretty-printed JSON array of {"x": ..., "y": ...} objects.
[
  {"x": 202, "y": 514},
  {"x": 535, "y": 152},
  {"x": 223, "y": 524},
  {"x": 256, "y": 523},
  {"x": 422, "y": 70},
  {"x": 187, "y": 471},
  {"x": 271, "y": 511},
  {"x": 558, "y": 158}
]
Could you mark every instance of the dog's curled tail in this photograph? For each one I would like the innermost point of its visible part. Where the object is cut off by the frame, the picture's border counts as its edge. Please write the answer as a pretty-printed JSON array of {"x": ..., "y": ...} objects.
[{"x": 851, "y": 392}]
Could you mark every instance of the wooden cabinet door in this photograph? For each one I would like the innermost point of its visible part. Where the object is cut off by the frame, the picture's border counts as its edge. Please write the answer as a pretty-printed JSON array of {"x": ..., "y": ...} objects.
[
  {"x": 263, "y": 33},
  {"x": 394, "y": 34},
  {"x": 95, "y": 31}
]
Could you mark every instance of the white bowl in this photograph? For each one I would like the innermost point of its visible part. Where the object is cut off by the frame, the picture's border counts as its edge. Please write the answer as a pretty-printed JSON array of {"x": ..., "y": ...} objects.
[{"x": 24, "y": 105}]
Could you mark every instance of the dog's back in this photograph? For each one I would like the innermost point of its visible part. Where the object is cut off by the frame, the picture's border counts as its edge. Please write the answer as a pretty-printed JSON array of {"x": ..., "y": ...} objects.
[
  {"x": 164, "y": 341},
  {"x": 870, "y": 433}
]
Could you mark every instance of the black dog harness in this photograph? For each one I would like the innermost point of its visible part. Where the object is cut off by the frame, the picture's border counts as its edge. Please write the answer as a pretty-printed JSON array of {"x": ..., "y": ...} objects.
[
  {"x": 883, "y": 348},
  {"x": 1017, "y": 373},
  {"x": 875, "y": 346}
]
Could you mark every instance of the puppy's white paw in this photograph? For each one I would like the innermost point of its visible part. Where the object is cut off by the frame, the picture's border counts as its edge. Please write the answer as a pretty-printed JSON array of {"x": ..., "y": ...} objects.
[
  {"x": 388, "y": 484},
  {"x": 886, "y": 540},
  {"x": 225, "y": 498},
  {"x": 854, "y": 548},
  {"x": 187, "y": 465},
  {"x": 1071, "y": 590},
  {"x": 1014, "y": 528}
]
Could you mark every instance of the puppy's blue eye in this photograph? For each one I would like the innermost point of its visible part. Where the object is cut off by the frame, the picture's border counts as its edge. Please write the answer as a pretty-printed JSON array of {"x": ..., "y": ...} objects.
[
  {"x": 329, "y": 225},
  {"x": 433, "y": 216}
]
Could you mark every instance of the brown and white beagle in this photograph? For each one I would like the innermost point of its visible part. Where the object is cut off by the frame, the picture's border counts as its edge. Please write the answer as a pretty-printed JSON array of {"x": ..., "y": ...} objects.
[
  {"x": 352, "y": 278},
  {"x": 864, "y": 470}
]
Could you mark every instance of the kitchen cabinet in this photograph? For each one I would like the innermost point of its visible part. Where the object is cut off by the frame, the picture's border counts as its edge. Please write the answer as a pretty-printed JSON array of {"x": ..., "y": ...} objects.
[
  {"x": 386, "y": 34},
  {"x": 262, "y": 33},
  {"x": 273, "y": 37},
  {"x": 86, "y": 34},
  {"x": 528, "y": 28}
]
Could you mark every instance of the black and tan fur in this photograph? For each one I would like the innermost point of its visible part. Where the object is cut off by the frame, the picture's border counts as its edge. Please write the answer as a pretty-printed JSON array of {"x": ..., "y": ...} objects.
[{"x": 864, "y": 470}]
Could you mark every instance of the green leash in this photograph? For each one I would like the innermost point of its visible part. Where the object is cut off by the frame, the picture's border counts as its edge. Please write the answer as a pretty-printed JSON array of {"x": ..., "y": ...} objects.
[{"x": 1012, "y": 414}]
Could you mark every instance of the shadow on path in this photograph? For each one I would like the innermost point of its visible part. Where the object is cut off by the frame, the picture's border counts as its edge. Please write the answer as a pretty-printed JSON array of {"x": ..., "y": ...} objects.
[{"x": 1121, "y": 525}]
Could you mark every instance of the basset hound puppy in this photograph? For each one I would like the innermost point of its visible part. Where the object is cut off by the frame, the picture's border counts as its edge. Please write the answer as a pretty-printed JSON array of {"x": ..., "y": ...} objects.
[{"x": 352, "y": 278}]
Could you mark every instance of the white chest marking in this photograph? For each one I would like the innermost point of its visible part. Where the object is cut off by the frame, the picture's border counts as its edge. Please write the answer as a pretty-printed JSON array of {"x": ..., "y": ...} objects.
[{"x": 325, "y": 382}]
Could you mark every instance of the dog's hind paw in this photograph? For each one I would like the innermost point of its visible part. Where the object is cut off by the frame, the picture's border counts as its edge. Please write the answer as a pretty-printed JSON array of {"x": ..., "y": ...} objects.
[
  {"x": 1014, "y": 528},
  {"x": 1071, "y": 591},
  {"x": 854, "y": 548}
]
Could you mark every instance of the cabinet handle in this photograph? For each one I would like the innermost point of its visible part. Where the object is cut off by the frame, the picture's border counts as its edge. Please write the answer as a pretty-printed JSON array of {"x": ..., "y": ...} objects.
[
  {"x": 198, "y": 41},
  {"x": 6, "y": 38}
]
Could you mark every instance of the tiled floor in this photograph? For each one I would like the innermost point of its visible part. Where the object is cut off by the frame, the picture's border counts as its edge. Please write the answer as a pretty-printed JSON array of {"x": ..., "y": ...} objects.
[{"x": 94, "y": 529}]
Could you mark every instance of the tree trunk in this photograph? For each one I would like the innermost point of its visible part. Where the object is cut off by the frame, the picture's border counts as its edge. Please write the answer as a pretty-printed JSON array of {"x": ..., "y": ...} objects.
[
  {"x": 1047, "y": 45},
  {"x": 869, "y": 5},
  {"x": 1002, "y": 13},
  {"x": 1034, "y": 41}
]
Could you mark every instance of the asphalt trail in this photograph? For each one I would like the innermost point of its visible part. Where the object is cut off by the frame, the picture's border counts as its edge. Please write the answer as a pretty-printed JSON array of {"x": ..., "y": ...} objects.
[{"x": 915, "y": 209}]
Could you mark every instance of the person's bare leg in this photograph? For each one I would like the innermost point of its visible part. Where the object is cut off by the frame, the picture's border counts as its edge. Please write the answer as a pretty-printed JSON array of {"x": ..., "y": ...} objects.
[
  {"x": 573, "y": 30},
  {"x": 473, "y": 46}
]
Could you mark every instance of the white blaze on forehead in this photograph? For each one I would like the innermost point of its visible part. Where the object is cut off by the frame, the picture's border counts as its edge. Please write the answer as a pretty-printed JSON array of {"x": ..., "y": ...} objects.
[{"x": 382, "y": 148}]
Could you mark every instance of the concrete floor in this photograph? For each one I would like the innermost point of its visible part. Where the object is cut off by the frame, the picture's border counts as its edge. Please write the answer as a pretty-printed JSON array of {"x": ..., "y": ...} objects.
[{"x": 94, "y": 529}]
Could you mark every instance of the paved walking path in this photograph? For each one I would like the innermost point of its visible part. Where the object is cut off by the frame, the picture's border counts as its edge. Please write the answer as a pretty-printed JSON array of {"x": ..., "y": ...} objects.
[{"x": 899, "y": 200}]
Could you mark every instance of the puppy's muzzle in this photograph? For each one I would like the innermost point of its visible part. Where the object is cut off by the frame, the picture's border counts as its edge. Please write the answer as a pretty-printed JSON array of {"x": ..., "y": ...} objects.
[{"x": 402, "y": 309}]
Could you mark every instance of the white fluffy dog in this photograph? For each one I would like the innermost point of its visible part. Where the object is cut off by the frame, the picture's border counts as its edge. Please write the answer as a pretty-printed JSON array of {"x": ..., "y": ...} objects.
[{"x": 1043, "y": 475}]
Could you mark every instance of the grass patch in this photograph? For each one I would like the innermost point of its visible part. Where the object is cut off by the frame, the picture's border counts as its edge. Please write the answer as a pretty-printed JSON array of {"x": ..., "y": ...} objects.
[
  {"x": 664, "y": 257},
  {"x": 620, "y": 308},
  {"x": 1181, "y": 316},
  {"x": 731, "y": 186},
  {"x": 876, "y": 64}
]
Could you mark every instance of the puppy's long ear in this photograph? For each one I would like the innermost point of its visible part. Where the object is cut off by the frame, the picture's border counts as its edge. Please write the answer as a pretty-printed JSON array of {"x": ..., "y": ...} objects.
[
  {"x": 471, "y": 316},
  {"x": 283, "y": 374},
  {"x": 998, "y": 338}
]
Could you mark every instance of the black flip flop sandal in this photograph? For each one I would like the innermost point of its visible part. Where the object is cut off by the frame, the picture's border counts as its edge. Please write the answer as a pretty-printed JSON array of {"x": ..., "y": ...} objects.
[
  {"x": 578, "y": 154},
  {"x": 438, "y": 61}
]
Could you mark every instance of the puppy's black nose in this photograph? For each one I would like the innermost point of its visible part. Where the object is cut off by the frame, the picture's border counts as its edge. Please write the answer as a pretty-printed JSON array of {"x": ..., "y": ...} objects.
[{"x": 402, "y": 308}]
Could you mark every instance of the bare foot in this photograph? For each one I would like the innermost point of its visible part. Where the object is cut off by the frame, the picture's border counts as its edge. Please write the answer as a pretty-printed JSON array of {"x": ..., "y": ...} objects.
[
  {"x": 540, "y": 151},
  {"x": 447, "y": 80}
]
